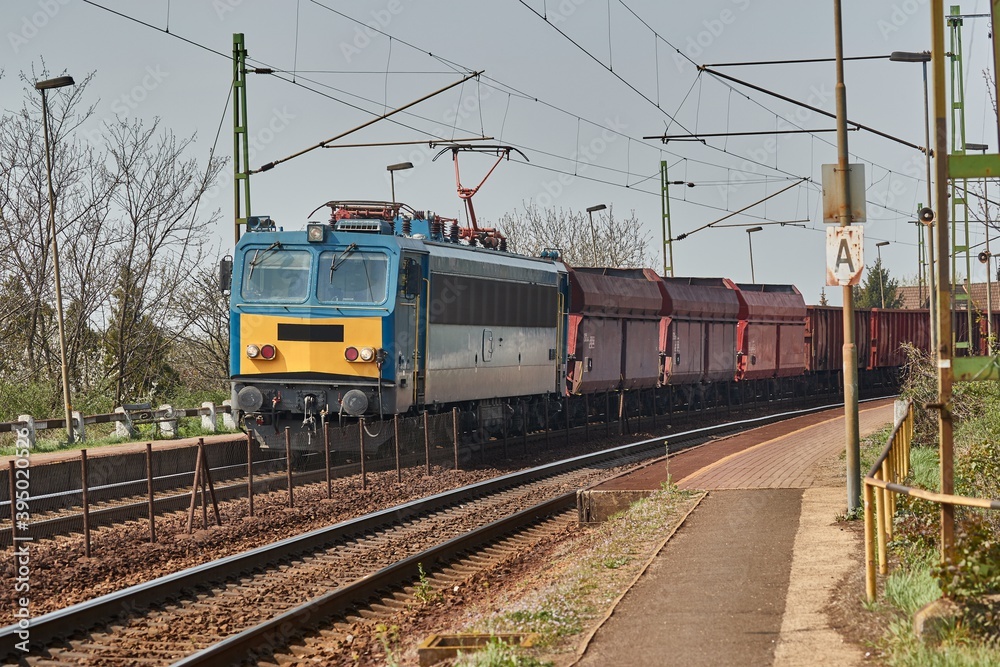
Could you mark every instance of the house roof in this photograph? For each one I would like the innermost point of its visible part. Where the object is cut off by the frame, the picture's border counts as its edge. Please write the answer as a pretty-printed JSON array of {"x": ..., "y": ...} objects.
[{"x": 912, "y": 294}]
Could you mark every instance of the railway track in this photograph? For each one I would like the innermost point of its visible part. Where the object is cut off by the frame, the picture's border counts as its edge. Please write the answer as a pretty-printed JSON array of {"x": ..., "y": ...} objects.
[
  {"x": 244, "y": 597},
  {"x": 60, "y": 514}
]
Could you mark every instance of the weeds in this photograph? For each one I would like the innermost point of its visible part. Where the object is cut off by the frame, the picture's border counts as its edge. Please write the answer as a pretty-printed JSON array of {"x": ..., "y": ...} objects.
[
  {"x": 498, "y": 653},
  {"x": 424, "y": 590}
]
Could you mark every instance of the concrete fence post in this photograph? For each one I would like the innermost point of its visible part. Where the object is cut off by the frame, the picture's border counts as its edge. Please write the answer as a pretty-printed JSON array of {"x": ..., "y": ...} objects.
[
  {"x": 79, "y": 433},
  {"x": 229, "y": 418},
  {"x": 168, "y": 425},
  {"x": 208, "y": 420},
  {"x": 123, "y": 428},
  {"x": 29, "y": 424}
]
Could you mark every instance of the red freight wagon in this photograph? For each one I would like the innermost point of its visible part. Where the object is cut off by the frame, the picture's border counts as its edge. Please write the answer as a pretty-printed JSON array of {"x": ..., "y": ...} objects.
[
  {"x": 698, "y": 334},
  {"x": 770, "y": 336},
  {"x": 825, "y": 337},
  {"x": 889, "y": 329},
  {"x": 613, "y": 336}
]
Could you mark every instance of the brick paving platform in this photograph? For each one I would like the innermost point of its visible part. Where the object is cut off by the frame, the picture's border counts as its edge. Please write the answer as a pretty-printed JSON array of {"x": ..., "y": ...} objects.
[{"x": 745, "y": 578}]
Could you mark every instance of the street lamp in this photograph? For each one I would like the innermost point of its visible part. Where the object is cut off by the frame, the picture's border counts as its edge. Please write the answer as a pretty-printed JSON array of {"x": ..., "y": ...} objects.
[
  {"x": 923, "y": 57},
  {"x": 881, "y": 270},
  {"x": 42, "y": 86},
  {"x": 392, "y": 169},
  {"x": 989, "y": 288},
  {"x": 750, "y": 241},
  {"x": 593, "y": 234}
]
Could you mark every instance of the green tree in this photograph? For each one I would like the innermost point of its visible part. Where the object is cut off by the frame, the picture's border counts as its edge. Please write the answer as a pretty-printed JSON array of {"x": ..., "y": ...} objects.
[{"x": 877, "y": 284}]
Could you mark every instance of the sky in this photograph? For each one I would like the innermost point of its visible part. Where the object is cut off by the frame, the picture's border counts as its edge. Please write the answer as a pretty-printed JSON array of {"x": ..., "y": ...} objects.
[{"x": 575, "y": 85}]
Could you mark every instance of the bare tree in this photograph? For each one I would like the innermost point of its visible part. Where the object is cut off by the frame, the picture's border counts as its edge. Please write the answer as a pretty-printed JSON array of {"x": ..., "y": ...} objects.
[
  {"x": 611, "y": 242},
  {"x": 130, "y": 237}
]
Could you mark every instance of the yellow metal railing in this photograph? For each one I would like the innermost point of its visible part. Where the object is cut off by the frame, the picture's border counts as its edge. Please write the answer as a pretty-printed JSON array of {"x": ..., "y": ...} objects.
[{"x": 881, "y": 486}]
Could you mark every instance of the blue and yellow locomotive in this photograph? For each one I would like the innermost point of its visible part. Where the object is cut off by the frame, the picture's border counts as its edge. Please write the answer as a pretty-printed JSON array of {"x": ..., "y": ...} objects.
[{"x": 382, "y": 310}]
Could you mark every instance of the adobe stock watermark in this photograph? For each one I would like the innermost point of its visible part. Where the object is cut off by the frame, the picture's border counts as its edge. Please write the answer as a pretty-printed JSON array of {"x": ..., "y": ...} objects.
[
  {"x": 759, "y": 157},
  {"x": 453, "y": 116},
  {"x": 127, "y": 103},
  {"x": 362, "y": 36},
  {"x": 257, "y": 141},
  {"x": 585, "y": 155},
  {"x": 712, "y": 29},
  {"x": 897, "y": 189},
  {"x": 899, "y": 15},
  {"x": 32, "y": 24},
  {"x": 22, "y": 556}
]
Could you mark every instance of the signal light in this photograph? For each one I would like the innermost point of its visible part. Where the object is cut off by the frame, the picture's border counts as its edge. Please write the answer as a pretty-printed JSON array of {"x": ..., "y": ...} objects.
[
  {"x": 268, "y": 352},
  {"x": 351, "y": 354},
  {"x": 253, "y": 351}
]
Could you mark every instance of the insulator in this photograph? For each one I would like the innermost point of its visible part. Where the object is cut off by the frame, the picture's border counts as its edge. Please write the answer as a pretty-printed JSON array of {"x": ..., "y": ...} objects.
[
  {"x": 454, "y": 232},
  {"x": 435, "y": 228},
  {"x": 406, "y": 226},
  {"x": 503, "y": 244}
]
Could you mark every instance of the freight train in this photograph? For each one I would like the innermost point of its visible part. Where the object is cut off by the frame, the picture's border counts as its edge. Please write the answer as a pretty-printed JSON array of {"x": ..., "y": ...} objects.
[{"x": 384, "y": 310}]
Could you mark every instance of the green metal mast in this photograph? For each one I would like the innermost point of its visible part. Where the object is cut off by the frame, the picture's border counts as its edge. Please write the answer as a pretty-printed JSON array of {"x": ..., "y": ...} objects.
[
  {"x": 241, "y": 140},
  {"x": 959, "y": 187},
  {"x": 668, "y": 236}
]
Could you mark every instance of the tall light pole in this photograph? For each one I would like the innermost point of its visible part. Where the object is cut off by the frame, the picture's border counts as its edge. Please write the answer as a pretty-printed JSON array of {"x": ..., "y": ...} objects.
[
  {"x": 593, "y": 234},
  {"x": 392, "y": 169},
  {"x": 750, "y": 241},
  {"x": 989, "y": 288},
  {"x": 852, "y": 430},
  {"x": 923, "y": 58},
  {"x": 50, "y": 84},
  {"x": 881, "y": 270}
]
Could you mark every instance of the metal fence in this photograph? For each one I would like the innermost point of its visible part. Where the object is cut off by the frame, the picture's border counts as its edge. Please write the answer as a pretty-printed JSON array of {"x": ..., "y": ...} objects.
[{"x": 884, "y": 483}]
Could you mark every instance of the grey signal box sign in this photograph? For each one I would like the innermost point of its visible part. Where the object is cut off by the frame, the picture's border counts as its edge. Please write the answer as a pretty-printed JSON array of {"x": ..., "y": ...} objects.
[{"x": 832, "y": 196}]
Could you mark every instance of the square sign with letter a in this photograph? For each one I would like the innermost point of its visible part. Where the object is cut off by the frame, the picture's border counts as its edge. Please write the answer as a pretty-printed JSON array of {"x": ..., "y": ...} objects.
[{"x": 844, "y": 256}]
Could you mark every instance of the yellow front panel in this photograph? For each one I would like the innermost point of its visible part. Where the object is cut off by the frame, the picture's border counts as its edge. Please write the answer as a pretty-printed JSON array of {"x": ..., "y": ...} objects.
[{"x": 308, "y": 356}]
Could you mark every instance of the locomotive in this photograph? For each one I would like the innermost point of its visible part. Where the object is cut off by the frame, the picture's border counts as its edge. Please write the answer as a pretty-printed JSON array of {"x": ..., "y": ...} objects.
[
  {"x": 385, "y": 310},
  {"x": 382, "y": 310}
]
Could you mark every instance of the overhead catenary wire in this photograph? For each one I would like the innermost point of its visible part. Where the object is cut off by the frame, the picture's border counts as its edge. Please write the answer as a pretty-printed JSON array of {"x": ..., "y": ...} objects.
[{"x": 504, "y": 87}]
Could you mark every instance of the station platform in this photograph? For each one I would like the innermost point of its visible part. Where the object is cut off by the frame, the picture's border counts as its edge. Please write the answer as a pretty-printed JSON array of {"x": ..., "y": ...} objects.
[{"x": 746, "y": 577}]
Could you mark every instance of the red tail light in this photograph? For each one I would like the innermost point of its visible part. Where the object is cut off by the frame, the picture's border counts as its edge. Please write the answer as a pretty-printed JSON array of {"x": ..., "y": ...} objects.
[
  {"x": 268, "y": 352},
  {"x": 351, "y": 354}
]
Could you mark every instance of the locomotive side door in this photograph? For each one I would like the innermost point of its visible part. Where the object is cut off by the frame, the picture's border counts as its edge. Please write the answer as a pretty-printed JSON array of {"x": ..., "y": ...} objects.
[{"x": 411, "y": 330}]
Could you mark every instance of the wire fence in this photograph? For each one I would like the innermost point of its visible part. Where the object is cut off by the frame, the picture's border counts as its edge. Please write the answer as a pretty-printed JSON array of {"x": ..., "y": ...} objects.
[{"x": 151, "y": 486}]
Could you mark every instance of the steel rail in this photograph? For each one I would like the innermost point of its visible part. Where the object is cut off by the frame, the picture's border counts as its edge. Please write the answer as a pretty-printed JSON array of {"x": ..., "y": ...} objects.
[
  {"x": 277, "y": 632},
  {"x": 84, "y": 615}
]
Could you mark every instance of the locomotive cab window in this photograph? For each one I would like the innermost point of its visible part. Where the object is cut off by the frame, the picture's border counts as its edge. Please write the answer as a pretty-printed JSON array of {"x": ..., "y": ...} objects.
[
  {"x": 353, "y": 276},
  {"x": 276, "y": 274}
]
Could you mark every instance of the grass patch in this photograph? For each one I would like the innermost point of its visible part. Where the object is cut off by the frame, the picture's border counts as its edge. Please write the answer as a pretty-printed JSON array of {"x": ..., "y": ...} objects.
[{"x": 498, "y": 653}]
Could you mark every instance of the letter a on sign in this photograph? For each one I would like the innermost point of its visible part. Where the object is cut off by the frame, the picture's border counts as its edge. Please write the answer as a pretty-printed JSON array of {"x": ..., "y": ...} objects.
[{"x": 844, "y": 257}]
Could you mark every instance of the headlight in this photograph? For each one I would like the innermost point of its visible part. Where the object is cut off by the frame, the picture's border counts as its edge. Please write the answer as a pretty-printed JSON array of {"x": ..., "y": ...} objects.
[
  {"x": 314, "y": 233},
  {"x": 253, "y": 351},
  {"x": 367, "y": 353}
]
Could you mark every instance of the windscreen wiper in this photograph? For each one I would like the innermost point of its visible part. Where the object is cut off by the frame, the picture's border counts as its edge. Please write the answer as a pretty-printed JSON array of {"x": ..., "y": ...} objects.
[
  {"x": 259, "y": 256},
  {"x": 335, "y": 264}
]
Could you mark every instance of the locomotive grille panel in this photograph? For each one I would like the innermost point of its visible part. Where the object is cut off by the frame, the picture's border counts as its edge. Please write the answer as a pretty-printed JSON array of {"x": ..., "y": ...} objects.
[
  {"x": 491, "y": 302},
  {"x": 313, "y": 333}
]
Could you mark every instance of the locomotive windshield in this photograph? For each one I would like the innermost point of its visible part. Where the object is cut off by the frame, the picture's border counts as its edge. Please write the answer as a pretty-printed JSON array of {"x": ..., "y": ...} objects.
[
  {"x": 276, "y": 274},
  {"x": 352, "y": 276}
]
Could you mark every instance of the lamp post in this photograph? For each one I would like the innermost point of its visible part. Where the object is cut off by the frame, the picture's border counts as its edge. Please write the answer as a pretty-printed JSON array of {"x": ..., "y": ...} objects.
[
  {"x": 50, "y": 84},
  {"x": 750, "y": 241},
  {"x": 923, "y": 58},
  {"x": 989, "y": 288},
  {"x": 593, "y": 234},
  {"x": 881, "y": 270},
  {"x": 392, "y": 169}
]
